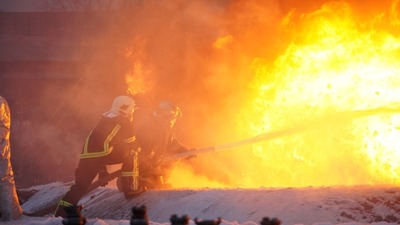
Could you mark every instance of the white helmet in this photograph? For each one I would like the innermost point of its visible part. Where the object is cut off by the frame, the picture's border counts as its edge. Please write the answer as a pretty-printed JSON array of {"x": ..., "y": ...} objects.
[{"x": 122, "y": 105}]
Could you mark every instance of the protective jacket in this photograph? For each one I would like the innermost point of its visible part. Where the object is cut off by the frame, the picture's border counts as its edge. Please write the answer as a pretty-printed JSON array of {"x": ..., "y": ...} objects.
[
  {"x": 10, "y": 208},
  {"x": 157, "y": 141},
  {"x": 112, "y": 141}
]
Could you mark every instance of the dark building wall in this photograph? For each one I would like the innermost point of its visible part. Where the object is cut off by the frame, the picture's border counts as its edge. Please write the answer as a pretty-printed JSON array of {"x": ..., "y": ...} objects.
[
  {"x": 40, "y": 23},
  {"x": 37, "y": 50},
  {"x": 53, "y": 80}
]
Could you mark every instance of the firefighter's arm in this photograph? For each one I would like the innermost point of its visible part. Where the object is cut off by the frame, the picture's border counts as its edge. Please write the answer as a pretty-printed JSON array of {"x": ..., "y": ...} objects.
[
  {"x": 103, "y": 172},
  {"x": 191, "y": 156},
  {"x": 177, "y": 147}
]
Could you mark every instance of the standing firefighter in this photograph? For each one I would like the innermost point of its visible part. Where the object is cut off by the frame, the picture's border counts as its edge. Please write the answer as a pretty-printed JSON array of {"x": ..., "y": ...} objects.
[
  {"x": 157, "y": 140},
  {"x": 10, "y": 208},
  {"x": 112, "y": 141}
]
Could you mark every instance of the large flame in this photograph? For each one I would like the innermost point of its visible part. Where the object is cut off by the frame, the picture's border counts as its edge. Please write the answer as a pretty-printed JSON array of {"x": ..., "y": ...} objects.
[
  {"x": 335, "y": 63},
  {"x": 337, "y": 86},
  {"x": 137, "y": 76},
  {"x": 332, "y": 94}
]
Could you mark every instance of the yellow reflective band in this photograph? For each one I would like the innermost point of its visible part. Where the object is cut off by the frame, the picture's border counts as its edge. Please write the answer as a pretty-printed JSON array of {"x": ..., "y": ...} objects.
[
  {"x": 96, "y": 154},
  {"x": 64, "y": 203},
  {"x": 106, "y": 147},
  {"x": 127, "y": 174},
  {"x": 130, "y": 140},
  {"x": 111, "y": 136},
  {"x": 86, "y": 143}
]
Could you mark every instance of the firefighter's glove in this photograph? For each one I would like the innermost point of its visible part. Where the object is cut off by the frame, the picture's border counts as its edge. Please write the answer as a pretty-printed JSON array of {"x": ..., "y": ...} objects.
[
  {"x": 191, "y": 157},
  {"x": 159, "y": 160},
  {"x": 103, "y": 173}
]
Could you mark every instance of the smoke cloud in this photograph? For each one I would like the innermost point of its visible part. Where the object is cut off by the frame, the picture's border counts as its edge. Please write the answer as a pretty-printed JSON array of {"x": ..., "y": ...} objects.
[{"x": 198, "y": 54}]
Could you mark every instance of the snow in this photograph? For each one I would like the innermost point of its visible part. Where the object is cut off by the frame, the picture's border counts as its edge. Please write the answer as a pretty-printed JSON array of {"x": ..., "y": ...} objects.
[{"x": 339, "y": 205}]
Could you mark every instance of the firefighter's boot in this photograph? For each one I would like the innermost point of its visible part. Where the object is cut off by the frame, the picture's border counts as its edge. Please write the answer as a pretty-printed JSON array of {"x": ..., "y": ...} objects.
[
  {"x": 60, "y": 211},
  {"x": 128, "y": 188}
]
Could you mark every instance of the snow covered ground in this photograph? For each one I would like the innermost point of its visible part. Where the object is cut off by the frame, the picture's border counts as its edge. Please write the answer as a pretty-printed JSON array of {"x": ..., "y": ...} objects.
[{"x": 357, "y": 205}]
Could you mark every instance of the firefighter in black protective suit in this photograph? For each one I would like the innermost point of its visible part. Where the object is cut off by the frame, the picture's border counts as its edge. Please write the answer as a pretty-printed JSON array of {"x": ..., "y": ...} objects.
[
  {"x": 112, "y": 141},
  {"x": 157, "y": 140}
]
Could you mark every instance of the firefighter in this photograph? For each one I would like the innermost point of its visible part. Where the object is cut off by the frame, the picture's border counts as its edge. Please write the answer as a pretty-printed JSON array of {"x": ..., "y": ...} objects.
[
  {"x": 157, "y": 140},
  {"x": 112, "y": 141},
  {"x": 10, "y": 208}
]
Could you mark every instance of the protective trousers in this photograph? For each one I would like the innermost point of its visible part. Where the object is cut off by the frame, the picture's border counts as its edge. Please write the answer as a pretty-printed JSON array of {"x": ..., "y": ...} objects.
[{"x": 85, "y": 173}]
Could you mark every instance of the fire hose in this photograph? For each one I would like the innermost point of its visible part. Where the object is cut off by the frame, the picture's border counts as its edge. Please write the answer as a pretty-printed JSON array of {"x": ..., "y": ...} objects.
[
  {"x": 341, "y": 117},
  {"x": 336, "y": 117}
]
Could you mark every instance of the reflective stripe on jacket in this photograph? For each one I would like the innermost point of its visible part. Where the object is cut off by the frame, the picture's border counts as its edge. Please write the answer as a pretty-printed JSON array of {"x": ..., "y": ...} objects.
[{"x": 110, "y": 134}]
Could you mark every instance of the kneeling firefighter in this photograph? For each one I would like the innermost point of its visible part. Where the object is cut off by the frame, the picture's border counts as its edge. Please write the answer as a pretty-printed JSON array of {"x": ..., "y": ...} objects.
[
  {"x": 156, "y": 137},
  {"x": 112, "y": 141}
]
